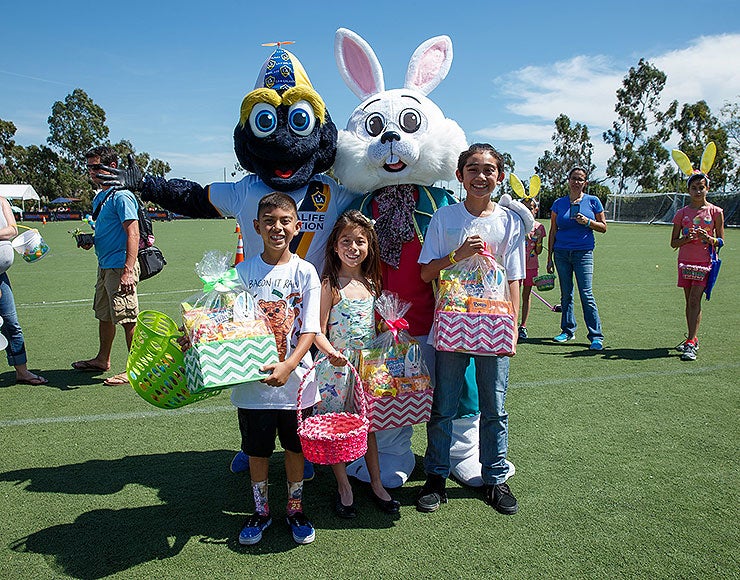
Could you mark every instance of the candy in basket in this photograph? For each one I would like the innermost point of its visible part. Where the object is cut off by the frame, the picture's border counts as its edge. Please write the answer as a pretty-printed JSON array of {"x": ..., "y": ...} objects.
[
  {"x": 395, "y": 377},
  {"x": 474, "y": 312},
  {"x": 230, "y": 335}
]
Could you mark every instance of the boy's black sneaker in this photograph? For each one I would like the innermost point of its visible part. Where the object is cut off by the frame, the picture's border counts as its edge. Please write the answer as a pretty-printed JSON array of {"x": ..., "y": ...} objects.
[
  {"x": 432, "y": 494},
  {"x": 501, "y": 499}
]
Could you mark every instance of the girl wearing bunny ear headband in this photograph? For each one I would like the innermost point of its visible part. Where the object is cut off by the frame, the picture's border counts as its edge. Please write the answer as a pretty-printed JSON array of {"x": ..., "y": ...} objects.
[
  {"x": 698, "y": 229},
  {"x": 534, "y": 246}
]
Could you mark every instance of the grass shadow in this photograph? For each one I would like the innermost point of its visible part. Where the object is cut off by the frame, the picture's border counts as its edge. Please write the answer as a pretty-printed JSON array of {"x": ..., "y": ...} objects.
[
  {"x": 201, "y": 499},
  {"x": 60, "y": 379},
  {"x": 623, "y": 353}
]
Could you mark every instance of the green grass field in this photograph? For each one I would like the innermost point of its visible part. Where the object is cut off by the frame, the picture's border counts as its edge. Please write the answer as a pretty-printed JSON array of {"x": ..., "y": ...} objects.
[{"x": 627, "y": 459}]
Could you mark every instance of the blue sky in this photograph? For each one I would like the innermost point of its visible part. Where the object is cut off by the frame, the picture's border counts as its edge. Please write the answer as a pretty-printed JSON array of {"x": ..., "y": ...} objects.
[{"x": 171, "y": 75}]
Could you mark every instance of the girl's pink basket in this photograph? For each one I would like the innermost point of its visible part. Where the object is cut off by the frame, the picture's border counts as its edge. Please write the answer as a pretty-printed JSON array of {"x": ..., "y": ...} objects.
[{"x": 334, "y": 437}]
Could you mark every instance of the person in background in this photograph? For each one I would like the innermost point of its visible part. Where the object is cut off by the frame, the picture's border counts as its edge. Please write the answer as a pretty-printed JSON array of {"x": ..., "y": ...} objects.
[
  {"x": 534, "y": 249},
  {"x": 11, "y": 328},
  {"x": 116, "y": 245},
  {"x": 573, "y": 220},
  {"x": 696, "y": 228}
]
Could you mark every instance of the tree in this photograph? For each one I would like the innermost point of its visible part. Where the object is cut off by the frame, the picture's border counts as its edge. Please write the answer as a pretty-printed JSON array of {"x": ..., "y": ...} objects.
[
  {"x": 696, "y": 127},
  {"x": 148, "y": 165},
  {"x": 730, "y": 119},
  {"x": 7, "y": 148},
  {"x": 641, "y": 129},
  {"x": 572, "y": 147},
  {"x": 76, "y": 125}
]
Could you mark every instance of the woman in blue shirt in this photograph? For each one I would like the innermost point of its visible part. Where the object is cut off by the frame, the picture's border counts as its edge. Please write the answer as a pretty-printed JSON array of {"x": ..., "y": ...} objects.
[{"x": 573, "y": 221}]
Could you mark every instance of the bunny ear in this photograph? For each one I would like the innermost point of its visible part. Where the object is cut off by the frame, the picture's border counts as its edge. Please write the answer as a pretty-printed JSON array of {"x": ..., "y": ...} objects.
[
  {"x": 534, "y": 186},
  {"x": 516, "y": 185},
  {"x": 707, "y": 158},
  {"x": 683, "y": 162},
  {"x": 357, "y": 63},
  {"x": 429, "y": 64}
]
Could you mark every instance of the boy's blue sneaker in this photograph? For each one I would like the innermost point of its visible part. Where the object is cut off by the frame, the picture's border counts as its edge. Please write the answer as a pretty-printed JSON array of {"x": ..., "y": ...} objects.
[
  {"x": 240, "y": 462},
  {"x": 252, "y": 531},
  {"x": 308, "y": 470},
  {"x": 564, "y": 337},
  {"x": 303, "y": 532},
  {"x": 596, "y": 344}
]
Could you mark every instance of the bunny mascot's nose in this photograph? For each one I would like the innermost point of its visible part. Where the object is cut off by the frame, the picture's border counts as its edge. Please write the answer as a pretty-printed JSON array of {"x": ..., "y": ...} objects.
[{"x": 390, "y": 136}]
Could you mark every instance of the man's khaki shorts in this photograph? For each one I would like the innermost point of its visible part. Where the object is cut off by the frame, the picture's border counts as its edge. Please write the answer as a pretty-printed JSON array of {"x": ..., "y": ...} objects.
[{"x": 110, "y": 303}]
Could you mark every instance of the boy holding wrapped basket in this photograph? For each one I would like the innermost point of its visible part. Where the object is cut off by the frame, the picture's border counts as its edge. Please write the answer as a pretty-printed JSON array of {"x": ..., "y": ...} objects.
[{"x": 499, "y": 234}]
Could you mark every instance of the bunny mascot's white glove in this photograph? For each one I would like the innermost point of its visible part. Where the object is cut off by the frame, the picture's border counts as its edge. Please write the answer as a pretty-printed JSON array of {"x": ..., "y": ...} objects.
[{"x": 518, "y": 208}]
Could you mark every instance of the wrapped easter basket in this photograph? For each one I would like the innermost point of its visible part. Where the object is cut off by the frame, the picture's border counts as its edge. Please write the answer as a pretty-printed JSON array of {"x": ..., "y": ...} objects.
[
  {"x": 694, "y": 272},
  {"x": 30, "y": 245},
  {"x": 544, "y": 282},
  {"x": 156, "y": 365},
  {"x": 333, "y": 437}
]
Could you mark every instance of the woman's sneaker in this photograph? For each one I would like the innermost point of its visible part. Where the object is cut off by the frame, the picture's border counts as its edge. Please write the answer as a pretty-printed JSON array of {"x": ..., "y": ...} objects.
[
  {"x": 689, "y": 351},
  {"x": 252, "y": 531},
  {"x": 303, "y": 531},
  {"x": 681, "y": 347}
]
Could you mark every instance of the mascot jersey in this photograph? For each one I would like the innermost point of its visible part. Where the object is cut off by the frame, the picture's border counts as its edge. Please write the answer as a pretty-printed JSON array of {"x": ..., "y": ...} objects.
[{"x": 319, "y": 204}]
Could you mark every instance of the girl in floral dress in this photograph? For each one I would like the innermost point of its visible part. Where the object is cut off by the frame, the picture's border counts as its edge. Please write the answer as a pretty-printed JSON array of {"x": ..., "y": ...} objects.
[{"x": 351, "y": 282}]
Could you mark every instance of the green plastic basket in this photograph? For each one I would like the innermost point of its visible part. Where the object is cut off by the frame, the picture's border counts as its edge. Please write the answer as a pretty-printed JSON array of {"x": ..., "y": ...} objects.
[{"x": 156, "y": 365}]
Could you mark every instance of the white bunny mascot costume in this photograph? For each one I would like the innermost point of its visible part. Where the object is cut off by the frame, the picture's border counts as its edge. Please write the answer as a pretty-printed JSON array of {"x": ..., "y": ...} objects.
[{"x": 396, "y": 145}]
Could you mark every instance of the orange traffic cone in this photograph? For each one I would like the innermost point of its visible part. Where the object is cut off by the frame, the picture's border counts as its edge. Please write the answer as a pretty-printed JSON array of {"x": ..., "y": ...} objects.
[
  {"x": 238, "y": 230},
  {"x": 239, "y": 257},
  {"x": 43, "y": 219}
]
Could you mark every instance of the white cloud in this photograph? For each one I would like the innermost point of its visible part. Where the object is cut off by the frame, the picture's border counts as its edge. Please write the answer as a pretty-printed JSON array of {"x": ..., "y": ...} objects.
[
  {"x": 584, "y": 88},
  {"x": 517, "y": 132},
  {"x": 709, "y": 70}
]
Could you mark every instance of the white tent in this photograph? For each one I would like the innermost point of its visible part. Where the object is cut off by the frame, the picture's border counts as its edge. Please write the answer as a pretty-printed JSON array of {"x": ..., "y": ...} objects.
[{"x": 22, "y": 192}]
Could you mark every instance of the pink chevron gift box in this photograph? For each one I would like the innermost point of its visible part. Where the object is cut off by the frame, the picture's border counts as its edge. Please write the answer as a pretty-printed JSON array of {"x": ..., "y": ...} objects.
[
  {"x": 474, "y": 332},
  {"x": 389, "y": 412}
]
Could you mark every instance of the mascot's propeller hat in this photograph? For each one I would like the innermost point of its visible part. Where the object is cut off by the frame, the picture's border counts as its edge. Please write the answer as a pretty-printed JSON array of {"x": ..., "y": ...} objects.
[
  {"x": 282, "y": 80},
  {"x": 707, "y": 160}
]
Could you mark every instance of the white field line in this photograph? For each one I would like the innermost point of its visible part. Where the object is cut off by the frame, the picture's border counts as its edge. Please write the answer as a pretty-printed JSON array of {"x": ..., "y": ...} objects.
[
  {"x": 155, "y": 414},
  {"x": 89, "y": 300}
]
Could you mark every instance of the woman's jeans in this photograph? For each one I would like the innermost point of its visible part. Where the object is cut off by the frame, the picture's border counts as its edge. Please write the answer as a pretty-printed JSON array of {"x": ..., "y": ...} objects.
[
  {"x": 580, "y": 263},
  {"x": 492, "y": 378},
  {"x": 16, "y": 350}
]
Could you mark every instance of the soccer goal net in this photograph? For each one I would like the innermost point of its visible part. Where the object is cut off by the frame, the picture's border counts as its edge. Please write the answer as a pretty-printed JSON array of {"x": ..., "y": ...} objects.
[{"x": 659, "y": 208}]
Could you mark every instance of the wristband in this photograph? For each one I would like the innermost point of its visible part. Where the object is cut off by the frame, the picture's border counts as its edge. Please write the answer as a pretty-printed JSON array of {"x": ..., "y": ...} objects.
[
  {"x": 720, "y": 242},
  {"x": 451, "y": 257},
  {"x": 588, "y": 224}
]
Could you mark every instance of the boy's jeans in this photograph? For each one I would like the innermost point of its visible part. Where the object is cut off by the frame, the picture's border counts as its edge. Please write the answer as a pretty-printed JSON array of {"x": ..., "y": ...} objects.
[
  {"x": 581, "y": 264},
  {"x": 492, "y": 377}
]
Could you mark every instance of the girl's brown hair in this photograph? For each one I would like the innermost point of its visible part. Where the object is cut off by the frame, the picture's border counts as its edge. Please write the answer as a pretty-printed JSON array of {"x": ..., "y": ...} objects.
[{"x": 370, "y": 266}]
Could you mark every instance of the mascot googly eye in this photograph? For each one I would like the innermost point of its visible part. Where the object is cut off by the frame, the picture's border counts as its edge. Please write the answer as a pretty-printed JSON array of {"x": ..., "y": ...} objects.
[{"x": 707, "y": 160}]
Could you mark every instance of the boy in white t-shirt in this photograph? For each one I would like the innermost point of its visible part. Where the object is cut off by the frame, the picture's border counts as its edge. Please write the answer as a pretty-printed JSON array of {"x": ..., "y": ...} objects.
[
  {"x": 289, "y": 291},
  {"x": 480, "y": 169}
]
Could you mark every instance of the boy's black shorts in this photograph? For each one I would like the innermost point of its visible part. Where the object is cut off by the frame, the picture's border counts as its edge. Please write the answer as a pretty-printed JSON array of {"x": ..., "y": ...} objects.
[{"x": 259, "y": 426}]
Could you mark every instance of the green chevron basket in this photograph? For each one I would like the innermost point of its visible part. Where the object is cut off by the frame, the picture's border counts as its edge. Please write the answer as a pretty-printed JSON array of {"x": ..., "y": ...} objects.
[
  {"x": 156, "y": 365},
  {"x": 227, "y": 363}
]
